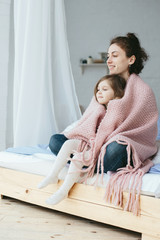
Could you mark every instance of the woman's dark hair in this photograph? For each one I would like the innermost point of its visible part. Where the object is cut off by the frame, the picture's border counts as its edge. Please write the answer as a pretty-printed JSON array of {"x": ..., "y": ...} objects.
[
  {"x": 131, "y": 45},
  {"x": 116, "y": 82}
]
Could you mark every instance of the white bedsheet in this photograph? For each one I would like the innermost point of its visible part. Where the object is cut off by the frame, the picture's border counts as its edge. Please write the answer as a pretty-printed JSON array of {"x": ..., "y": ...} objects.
[{"x": 41, "y": 164}]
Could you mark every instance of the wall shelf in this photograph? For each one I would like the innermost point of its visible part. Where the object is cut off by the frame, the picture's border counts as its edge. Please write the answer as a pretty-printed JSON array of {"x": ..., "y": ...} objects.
[{"x": 84, "y": 65}]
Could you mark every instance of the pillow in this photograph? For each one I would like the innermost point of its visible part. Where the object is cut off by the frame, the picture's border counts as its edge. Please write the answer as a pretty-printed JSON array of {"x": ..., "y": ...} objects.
[{"x": 156, "y": 159}]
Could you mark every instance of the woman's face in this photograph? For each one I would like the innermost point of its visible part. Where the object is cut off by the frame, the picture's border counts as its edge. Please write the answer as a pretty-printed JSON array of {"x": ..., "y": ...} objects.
[{"x": 118, "y": 62}]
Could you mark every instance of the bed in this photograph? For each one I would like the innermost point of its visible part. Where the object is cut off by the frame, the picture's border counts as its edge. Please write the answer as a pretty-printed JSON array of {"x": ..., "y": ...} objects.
[{"x": 20, "y": 175}]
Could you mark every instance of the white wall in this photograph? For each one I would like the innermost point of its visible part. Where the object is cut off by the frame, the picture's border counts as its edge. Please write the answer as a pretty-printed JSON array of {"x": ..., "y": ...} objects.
[{"x": 91, "y": 24}]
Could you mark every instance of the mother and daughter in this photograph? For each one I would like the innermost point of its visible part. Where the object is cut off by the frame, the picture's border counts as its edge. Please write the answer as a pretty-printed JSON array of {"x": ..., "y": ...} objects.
[{"x": 116, "y": 133}]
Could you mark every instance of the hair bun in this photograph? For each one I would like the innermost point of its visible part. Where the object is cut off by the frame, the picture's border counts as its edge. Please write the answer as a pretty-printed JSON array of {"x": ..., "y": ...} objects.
[
  {"x": 134, "y": 40},
  {"x": 131, "y": 35}
]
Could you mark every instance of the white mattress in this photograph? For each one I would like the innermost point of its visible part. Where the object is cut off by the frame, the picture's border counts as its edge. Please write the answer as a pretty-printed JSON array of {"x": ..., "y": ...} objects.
[{"x": 42, "y": 163}]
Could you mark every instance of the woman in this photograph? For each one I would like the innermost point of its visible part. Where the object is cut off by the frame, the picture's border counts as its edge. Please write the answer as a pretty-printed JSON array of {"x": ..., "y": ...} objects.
[
  {"x": 125, "y": 56},
  {"x": 127, "y": 140}
]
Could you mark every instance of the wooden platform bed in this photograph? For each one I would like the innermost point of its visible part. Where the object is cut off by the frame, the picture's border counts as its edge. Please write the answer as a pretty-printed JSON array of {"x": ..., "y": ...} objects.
[{"x": 84, "y": 201}]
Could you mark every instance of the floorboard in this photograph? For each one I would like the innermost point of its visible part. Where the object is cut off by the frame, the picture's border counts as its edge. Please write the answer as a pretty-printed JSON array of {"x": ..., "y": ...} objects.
[{"x": 19, "y": 220}]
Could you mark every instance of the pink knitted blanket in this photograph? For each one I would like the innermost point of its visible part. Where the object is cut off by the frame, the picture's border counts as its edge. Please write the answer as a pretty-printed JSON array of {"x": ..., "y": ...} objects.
[{"x": 131, "y": 120}]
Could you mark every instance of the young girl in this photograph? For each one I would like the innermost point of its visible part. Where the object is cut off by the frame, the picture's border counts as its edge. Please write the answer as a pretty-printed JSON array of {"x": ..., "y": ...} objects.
[{"x": 108, "y": 88}]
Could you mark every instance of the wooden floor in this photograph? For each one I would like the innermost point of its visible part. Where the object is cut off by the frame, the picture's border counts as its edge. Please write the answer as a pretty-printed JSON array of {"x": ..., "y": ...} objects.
[{"x": 23, "y": 221}]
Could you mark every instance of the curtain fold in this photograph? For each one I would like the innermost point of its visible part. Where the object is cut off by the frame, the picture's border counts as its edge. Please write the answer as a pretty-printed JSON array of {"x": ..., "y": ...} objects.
[{"x": 45, "y": 100}]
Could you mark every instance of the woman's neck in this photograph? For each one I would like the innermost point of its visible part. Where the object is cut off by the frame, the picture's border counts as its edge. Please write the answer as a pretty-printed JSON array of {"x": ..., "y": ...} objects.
[{"x": 125, "y": 75}]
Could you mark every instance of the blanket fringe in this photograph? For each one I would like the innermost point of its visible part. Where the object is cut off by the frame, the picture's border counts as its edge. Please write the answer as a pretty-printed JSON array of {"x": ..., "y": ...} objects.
[{"x": 121, "y": 181}]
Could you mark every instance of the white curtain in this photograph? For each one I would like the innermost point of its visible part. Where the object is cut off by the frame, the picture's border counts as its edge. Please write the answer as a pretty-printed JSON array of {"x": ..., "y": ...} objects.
[{"x": 45, "y": 100}]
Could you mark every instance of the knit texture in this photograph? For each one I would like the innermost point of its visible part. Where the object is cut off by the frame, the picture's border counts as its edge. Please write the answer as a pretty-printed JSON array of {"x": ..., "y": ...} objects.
[{"x": 131, "y": 120}]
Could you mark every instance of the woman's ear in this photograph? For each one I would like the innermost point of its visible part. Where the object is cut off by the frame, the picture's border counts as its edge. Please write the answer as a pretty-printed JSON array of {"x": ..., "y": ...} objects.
[{"x": 132, "y": 59}]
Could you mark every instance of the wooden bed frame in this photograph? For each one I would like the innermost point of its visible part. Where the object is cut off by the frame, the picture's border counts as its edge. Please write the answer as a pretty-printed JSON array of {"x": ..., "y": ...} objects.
[{"x": 84, "y": 201}]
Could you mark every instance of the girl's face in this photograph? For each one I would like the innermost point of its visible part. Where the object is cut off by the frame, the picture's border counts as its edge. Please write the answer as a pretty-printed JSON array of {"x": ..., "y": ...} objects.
[
  {"x": 104, "y": 92},
  {"x": 118, "y": 62}
]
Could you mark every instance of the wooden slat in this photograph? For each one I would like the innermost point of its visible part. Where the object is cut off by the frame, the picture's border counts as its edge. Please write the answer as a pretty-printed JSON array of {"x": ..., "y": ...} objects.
[
  {"x": 148, "y": 237},
  {"x": 150, "y": 206},
  {"x": 84, "y": 201}
]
